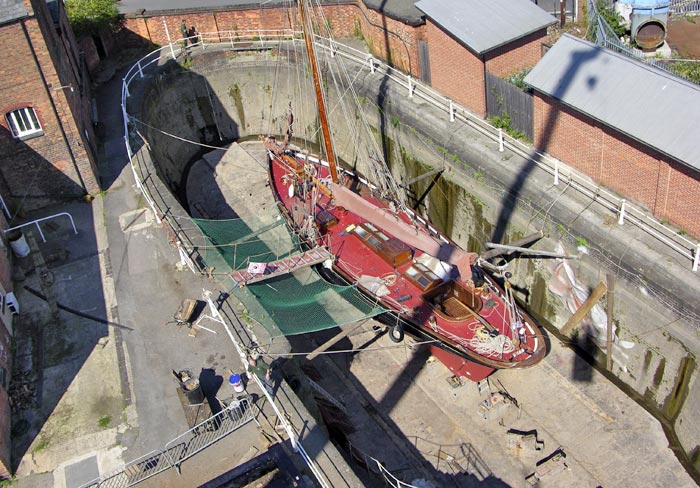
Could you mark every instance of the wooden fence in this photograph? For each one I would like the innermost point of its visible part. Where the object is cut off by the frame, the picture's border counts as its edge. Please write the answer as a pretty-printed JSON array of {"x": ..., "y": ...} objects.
[{"x": 503, "y": 98}]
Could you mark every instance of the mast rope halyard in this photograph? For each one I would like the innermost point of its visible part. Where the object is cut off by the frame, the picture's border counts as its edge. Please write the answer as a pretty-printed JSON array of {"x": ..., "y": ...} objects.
[
  {"x": 368, "y": 150},
  {"x": 311, "y": 51}
]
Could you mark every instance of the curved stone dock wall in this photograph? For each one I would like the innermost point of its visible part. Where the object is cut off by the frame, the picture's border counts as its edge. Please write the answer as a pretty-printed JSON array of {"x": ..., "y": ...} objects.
[{"x": 482, "y": 195}]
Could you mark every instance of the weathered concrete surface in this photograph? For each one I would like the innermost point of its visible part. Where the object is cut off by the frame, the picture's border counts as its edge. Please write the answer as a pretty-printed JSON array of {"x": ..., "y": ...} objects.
[
  {"x": 483, "y": 195},
  {"x": 400, "y": 394},
  {"x": 149, "y": 288},
  {"x": 609, "y": 440},
  {"x": 107, "y": 394},
  {"x": 79, "y": 391}
]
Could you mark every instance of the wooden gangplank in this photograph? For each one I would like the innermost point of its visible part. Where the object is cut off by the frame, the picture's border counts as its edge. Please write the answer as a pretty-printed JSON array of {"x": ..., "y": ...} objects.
[{"x": 283, "y": 266}]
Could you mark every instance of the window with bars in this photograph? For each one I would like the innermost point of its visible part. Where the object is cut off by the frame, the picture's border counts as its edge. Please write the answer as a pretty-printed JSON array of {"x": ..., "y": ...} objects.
[{"x": 23, "y": 123}]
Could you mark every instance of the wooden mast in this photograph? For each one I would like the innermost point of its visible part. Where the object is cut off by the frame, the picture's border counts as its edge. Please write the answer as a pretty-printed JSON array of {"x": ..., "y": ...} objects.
[{"x": 308, "y": 37}]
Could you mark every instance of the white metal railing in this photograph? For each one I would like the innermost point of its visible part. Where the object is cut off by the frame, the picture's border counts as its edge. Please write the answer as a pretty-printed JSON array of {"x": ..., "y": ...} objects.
[
  {"x": 178, "y": 450},
  {"x": 684, "y": 7},
  {"x": 621, "y": 209},
  {"x": 289, "y": 429},
  {"x": 38, "y": 227}
]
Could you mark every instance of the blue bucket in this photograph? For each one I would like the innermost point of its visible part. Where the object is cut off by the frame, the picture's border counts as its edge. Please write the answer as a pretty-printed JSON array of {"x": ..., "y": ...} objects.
[{"x": 235, "y": 381}]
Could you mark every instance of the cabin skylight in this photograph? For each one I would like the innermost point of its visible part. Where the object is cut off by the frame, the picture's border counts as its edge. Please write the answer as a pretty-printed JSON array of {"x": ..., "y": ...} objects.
[{"x": 422, "y": 275}]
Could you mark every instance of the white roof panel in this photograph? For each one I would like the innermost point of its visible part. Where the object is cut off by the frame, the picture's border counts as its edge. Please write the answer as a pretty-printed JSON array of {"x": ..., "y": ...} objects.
[
  {"x": 646, "y": 103},
  {"x": 485, "y": 25}
]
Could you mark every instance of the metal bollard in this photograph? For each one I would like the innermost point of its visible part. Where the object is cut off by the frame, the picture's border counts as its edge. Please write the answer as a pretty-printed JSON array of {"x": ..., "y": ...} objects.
[{"x": 621, "y": 217}]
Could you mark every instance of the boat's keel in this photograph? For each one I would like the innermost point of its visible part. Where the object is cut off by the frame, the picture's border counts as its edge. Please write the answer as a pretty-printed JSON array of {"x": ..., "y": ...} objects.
[{"x": 460, "y": 367}]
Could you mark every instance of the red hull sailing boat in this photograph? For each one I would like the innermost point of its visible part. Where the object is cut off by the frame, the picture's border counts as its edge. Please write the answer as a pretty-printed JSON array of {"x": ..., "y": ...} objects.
[{"x": 429, "y": 285}]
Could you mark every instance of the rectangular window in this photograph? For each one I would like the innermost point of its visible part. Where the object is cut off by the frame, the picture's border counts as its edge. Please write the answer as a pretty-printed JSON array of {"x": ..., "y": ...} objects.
[{"x": 24, "y": 123}]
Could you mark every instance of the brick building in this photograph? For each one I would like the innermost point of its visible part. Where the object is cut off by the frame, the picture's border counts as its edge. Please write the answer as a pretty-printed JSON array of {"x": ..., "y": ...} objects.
[
  {"x": 47, "y": 143},
  {"x": 8, "y": 307},
  {"x": 392, "y": 29},
  {"x": 452, "y": 44},
  {"x": 632, "y": 125},
  {"x": 466, "y": 38}
]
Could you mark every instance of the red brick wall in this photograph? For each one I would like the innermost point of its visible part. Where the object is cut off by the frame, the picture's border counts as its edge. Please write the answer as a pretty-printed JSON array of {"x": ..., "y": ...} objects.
[
  {"x": 344, "y": 21},
  {"x": 66, "y": 61},
  {"x": 378, "y": 30},
  {"x": 42, "y": 170},
  {"x": 456, "y": 71},
  {"x": 5, "y": 361},
  {"x": 31, "y": 169},
  {"x": 682, "y": 197},
  {"x": 516, "y": 56},
  {"x": 89, "y": 50},
  {"x": 669, "y": 189},
  {"x": 153, "y": 28}
]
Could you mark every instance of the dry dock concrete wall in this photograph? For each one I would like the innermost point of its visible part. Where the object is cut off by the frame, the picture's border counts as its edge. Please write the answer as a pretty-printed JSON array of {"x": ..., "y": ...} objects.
[{"x": 482, "y": 195}]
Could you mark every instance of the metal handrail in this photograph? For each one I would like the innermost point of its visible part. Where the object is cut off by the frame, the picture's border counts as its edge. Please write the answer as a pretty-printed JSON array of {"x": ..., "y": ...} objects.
[
  {"x": 684, "y": 7},
  {"x": 253, "y": 40},
  {"x": 36, "y": 222},
  {"x": 199, "y": 437}
]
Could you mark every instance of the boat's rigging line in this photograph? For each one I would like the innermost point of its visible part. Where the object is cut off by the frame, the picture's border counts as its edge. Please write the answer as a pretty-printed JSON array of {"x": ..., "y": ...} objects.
[
  {"x": 344, "y": 351},
  {"x": 344, "y": 83},
  {"x": 195, "y": 143}
]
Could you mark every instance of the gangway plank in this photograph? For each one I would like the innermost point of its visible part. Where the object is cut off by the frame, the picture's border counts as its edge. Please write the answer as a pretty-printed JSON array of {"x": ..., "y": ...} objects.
[{"x": 283, "y": 266}]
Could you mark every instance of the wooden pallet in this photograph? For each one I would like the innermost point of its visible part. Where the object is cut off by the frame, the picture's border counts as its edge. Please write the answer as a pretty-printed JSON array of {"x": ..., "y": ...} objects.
[{"x": 282, "y": 266}]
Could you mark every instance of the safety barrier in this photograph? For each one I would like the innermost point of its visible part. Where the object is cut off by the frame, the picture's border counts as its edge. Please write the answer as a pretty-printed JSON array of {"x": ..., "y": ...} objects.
[
  {"x": 622, "y": 210},
  {"x": 38, "y": 227},
  {"x": 684, "y": 7},
  {"x": 183, "y": 447}
]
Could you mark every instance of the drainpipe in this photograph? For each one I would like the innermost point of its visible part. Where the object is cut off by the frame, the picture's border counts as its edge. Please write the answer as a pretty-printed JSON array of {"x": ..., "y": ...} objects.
[
  {"x": 53, "y": 105},
  {"x": 483, "y": 62}
]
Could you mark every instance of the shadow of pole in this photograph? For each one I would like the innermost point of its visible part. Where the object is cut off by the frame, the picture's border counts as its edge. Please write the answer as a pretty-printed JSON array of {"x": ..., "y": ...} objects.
[{"x": 513, "y": 194}]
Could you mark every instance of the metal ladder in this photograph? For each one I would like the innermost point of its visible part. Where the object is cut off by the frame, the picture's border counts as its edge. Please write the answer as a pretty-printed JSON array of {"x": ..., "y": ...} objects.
[{"x": 313, "y": 256}]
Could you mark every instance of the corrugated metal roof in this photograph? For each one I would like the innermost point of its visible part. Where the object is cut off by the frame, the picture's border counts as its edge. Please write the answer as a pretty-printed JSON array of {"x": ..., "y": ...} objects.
[
  {"x": 643, "y": 102},
  {"x": 11, "y": 10},
  {"x": 485, "y": 25}
]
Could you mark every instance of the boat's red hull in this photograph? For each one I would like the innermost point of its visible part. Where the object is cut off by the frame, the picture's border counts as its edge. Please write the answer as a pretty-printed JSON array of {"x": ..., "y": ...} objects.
[{"x": 475, "y": 328}]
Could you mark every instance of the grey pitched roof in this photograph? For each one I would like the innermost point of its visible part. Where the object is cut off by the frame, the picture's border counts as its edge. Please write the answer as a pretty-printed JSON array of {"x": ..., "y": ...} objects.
[
  {"x": 403, "y": 10},
  {"x": 11, "y": 10},
  {"x": 645, "y": 103},
  {"x": 485, "y": 25},
  {"x": 152, "y": 7}
]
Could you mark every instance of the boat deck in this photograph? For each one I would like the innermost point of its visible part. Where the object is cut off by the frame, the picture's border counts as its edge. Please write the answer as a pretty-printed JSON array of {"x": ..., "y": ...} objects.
[{"x": 385, "y": 269}]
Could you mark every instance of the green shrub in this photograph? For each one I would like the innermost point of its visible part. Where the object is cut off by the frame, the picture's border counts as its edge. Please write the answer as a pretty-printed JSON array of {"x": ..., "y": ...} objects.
[{"x": 90, "y": 17}]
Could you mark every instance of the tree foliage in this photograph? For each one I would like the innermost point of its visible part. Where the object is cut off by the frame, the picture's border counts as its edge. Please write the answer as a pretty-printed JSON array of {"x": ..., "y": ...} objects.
[
  {"x": 690, "y": 69},
  {"x": 518, "y": 78},
  {"x": 613, "y": 18},
  {"x": 90, "y": 17}
]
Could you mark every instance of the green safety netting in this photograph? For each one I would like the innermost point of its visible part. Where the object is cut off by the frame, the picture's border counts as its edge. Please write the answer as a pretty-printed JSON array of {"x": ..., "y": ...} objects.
[
  {"x": 289, "y": 304},
  {"x": 232, "y": 244}
]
